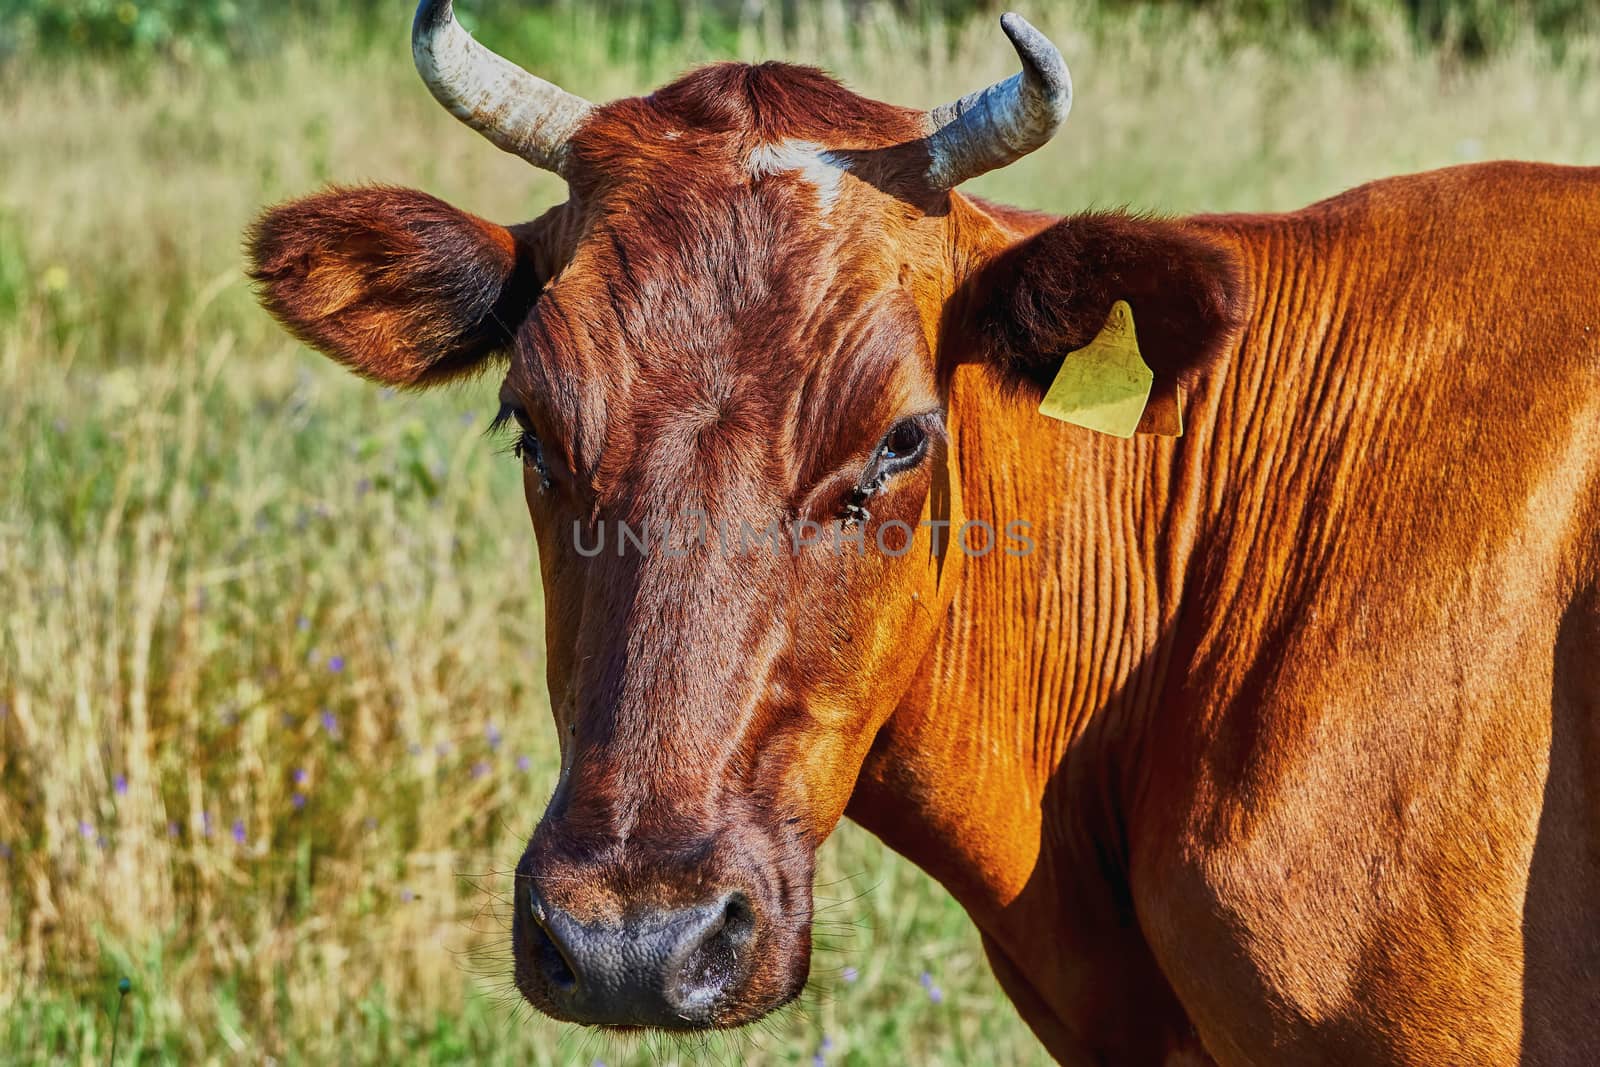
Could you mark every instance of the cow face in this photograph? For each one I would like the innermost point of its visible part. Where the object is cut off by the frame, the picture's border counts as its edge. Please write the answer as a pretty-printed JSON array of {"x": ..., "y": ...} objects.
[
  {"x": 722, "y": 390},
  {"x": 728, "y": 366}
]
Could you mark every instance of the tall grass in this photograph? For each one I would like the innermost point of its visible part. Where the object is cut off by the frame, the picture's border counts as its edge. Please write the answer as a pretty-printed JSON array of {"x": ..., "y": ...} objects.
[{"x": 272, "y": 716}]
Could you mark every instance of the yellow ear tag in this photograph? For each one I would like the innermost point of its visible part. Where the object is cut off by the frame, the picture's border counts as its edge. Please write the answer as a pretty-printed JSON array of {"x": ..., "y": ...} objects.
[{"x": 1105, "y": 385}]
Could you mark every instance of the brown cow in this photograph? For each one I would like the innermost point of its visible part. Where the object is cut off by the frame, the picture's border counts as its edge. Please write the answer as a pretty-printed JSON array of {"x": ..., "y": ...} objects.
[{"x": 1277, "y": 742}]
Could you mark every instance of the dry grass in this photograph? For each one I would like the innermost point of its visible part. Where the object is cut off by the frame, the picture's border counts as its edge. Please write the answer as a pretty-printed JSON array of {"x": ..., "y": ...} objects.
[{"x": 233, "y": 577}]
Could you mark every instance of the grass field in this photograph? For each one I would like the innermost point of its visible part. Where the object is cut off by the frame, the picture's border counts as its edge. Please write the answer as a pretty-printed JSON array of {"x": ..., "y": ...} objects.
[{"x": 272, "y": 713}]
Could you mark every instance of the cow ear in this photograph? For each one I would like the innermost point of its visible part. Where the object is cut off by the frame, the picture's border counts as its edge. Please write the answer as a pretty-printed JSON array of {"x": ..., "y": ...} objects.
[
  {"x": 398, "y": 286},
  {"x": 1027, "y": 309}
]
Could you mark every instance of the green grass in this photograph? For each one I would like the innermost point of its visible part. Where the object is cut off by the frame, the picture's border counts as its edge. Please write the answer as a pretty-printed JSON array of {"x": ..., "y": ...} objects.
[{"x": 196, "y": 516}]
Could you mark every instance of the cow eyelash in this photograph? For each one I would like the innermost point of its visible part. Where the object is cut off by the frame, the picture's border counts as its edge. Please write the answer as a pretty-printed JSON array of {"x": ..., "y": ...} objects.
[{"x": 526, "y": 445}]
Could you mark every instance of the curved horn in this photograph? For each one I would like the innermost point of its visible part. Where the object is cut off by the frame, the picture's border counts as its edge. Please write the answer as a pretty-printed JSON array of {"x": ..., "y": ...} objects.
[
  {"x": 988, "y": 129},
  {"x": 525, "y": 115}
]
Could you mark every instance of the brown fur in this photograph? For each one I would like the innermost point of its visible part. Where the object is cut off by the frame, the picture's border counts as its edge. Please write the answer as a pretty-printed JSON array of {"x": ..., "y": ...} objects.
[
  {"x": 1280, "y": 747},
  {"x": 397, "y": 285}
]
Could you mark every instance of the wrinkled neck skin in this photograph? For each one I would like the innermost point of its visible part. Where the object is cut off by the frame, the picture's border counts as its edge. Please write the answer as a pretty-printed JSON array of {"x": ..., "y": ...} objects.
[{"x": 1005, "y": 767}]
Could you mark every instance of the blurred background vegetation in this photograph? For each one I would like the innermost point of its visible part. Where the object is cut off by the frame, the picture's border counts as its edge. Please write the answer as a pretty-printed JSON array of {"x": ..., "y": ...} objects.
[
  {"x": 272, "y": 716},
  {"x": 229, "y": 28}
]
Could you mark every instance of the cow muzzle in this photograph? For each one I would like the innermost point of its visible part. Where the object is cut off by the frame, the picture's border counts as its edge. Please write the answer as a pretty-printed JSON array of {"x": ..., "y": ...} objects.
[
  {"x": 693, "y": 933},
  {"x": 668, "y": 968}
]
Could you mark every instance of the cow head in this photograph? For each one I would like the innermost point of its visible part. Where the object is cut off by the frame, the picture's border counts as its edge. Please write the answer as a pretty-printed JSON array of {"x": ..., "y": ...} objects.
[{"x": 729, "y": 361}]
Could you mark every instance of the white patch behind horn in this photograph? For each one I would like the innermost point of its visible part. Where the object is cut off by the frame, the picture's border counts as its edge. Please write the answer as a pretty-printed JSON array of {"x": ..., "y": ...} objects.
[{"x": 822, "y": 169}]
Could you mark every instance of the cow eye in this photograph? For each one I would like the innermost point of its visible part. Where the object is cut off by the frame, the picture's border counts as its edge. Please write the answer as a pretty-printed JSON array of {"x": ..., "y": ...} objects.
[
  {"x": 525, "y": 445},
  {"x": 905, "y": 443},
  {"x": 901, "y": 449},
  {"x": 528, "y": 449}
]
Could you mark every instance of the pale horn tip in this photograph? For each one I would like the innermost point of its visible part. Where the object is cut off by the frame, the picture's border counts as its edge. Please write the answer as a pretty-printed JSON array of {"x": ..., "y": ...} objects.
[
  {"x": 1042, "y": 63},
  {"x": 517, "y": 111}
]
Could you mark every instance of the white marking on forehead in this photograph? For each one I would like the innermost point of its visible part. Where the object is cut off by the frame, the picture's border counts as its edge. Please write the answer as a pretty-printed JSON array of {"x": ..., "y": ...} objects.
[{"x": 815, "y": 164}]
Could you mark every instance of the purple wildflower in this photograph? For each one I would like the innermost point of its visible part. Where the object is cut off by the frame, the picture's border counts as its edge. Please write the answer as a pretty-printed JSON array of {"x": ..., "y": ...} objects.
[
  {"x": 173, "y": 829},
  {"x": 206, "y": 823},
  {"x": 298, "y": 800},
  {"x": 819, "y": 1060},
  {"x": 301, "y": 776},
  {"x": 493, "y": 734},
  {"x": 85, "y": 828},
  {"x": 850, "y": 974},
  {"x": 330, "y": 722},
  {"x": 238, "y": 832},
  {"x": 524, "y": 763},
  {"x": 336, "y": 664},
  {"x": 407, "y": 896},
  {"x": 935, "y": 994},
  {"x": 827, "y": 1044},
  {"x": 480, "y": 769},
  {"x": 120, "y": 784}
]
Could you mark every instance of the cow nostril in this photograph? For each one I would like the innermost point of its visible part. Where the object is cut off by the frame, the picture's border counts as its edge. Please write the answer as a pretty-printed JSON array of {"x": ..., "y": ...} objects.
[
  {"x": 551, "y": 961},
  {"x": 711, "y": 963},
  {"x": 667, "y": 968}
]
